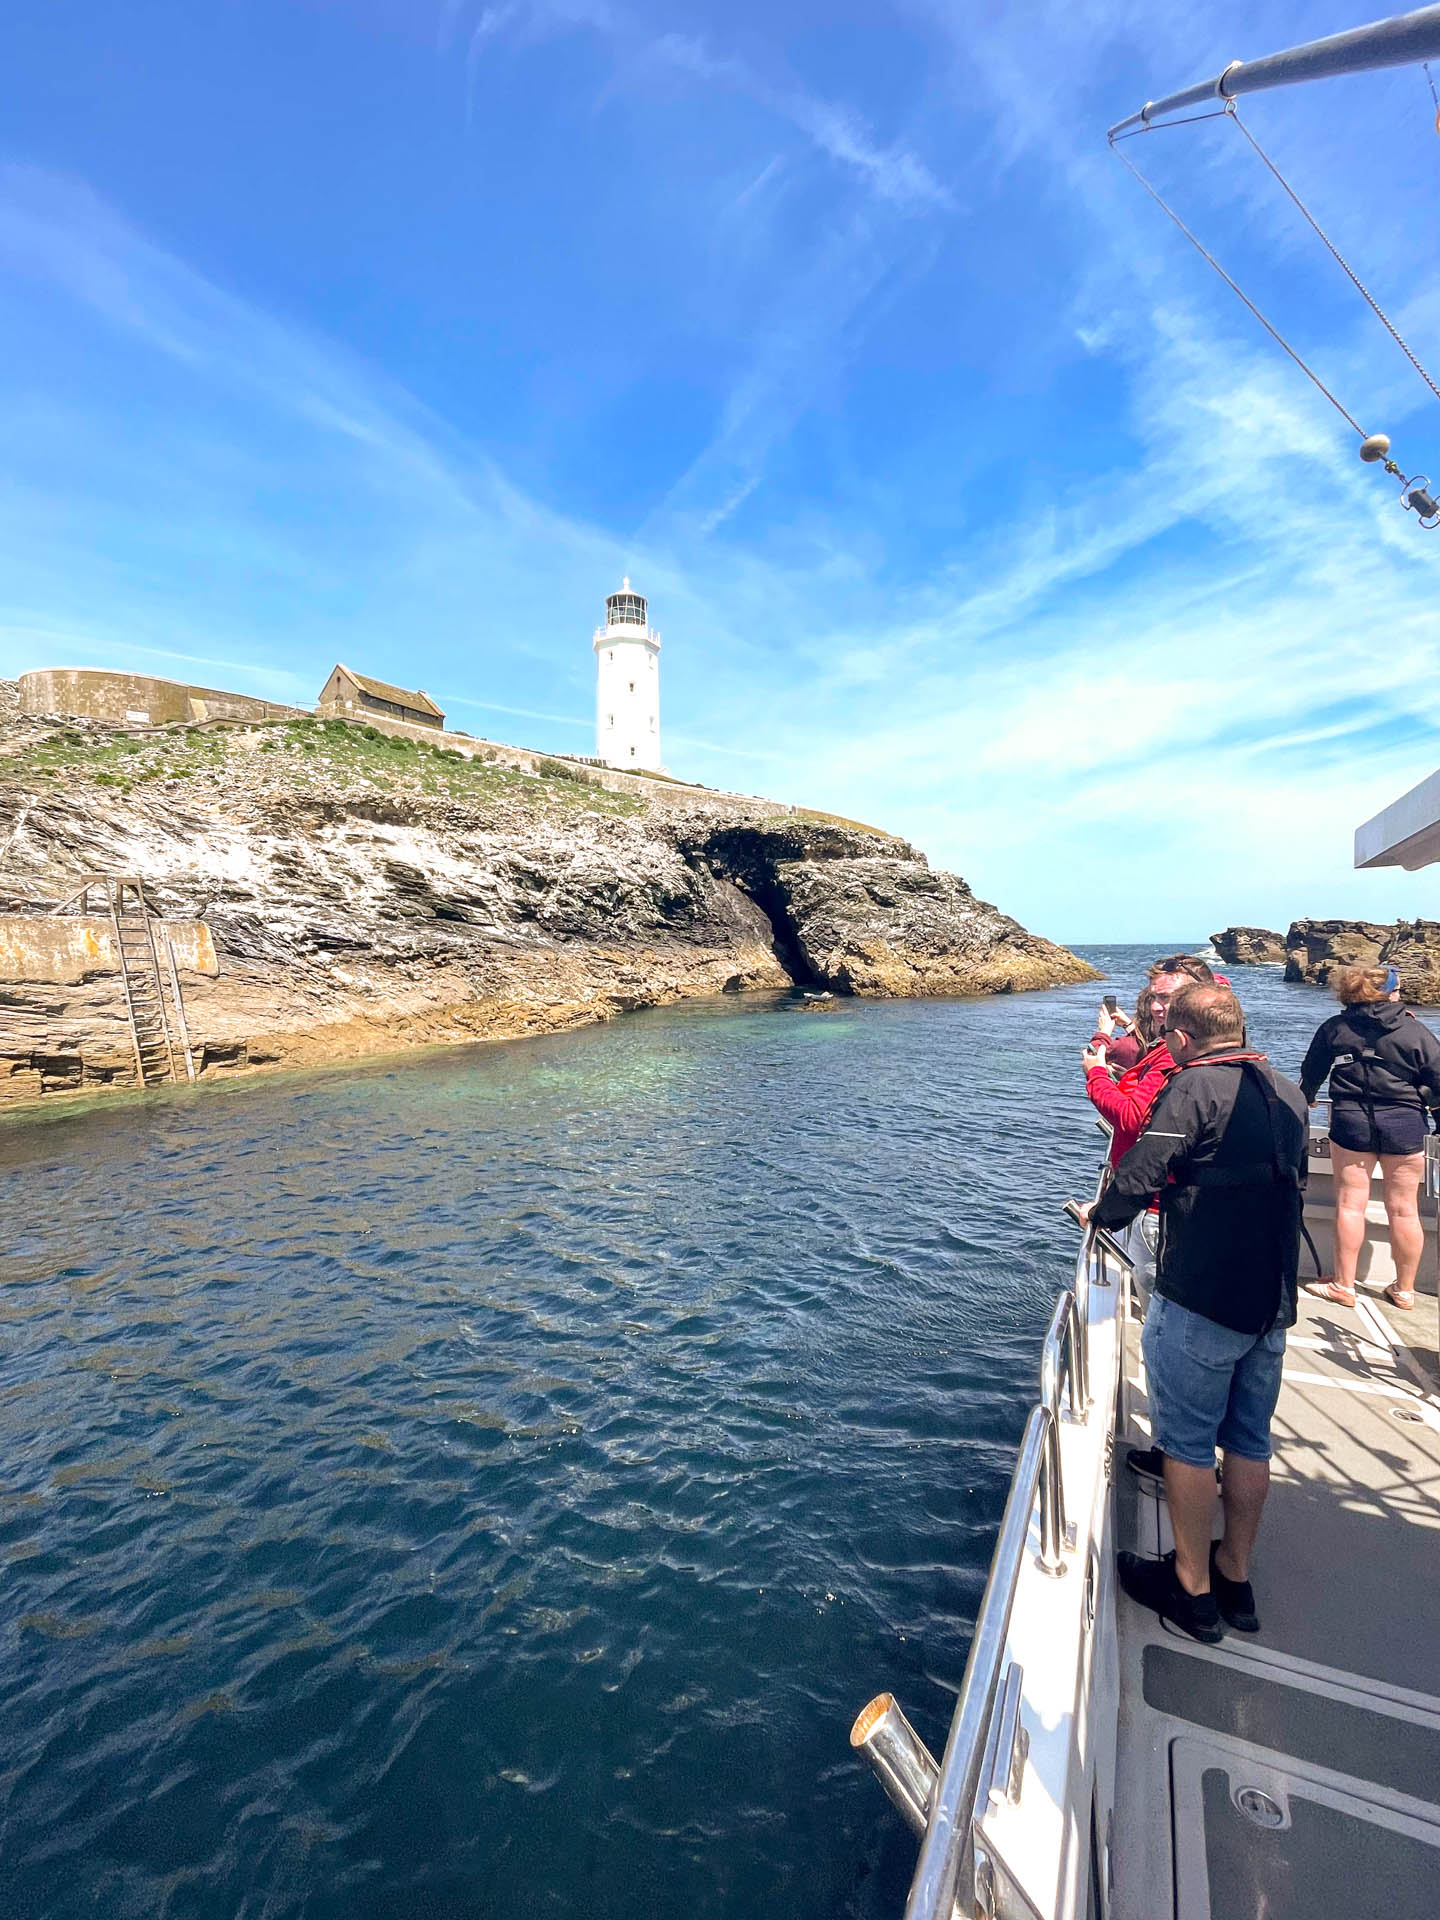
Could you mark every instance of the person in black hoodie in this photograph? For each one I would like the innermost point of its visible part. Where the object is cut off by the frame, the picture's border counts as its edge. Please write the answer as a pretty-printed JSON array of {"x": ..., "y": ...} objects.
[
  {"x": 1384, "y": 1071},
  {"x": 1224, "y": 1148}
]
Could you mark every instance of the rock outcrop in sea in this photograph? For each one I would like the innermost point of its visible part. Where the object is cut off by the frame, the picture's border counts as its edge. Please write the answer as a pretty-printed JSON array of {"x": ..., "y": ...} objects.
[
  {"x": 1248, "y": 946},
  {"x": 363, "y": 893},
  {"x": 1413, "y": 949},
  {"x": 1315, "y": 948}
]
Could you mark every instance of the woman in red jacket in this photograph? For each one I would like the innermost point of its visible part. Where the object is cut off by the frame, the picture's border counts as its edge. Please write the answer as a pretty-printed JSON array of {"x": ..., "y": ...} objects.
[
  {"x": 1125, "y": 1046},
  {"x": 1125, "y": 1103}
]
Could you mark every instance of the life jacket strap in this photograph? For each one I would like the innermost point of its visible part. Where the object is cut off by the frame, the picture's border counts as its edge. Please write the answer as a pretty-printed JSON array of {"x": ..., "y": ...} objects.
[{"x": 1278, "y": 1173}]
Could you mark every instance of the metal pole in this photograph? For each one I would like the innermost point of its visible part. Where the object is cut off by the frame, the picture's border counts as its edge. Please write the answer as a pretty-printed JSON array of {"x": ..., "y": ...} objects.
[
  {"x": 1402, "y": 41},
  {"x": 1055, "y": 1530},
  {"x": 1079, "y": 1362},
  {"x": 900, "y": 1757}
]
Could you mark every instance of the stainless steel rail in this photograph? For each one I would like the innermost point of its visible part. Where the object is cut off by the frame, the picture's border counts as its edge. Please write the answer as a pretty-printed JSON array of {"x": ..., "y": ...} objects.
[
  {"x": 1064, "y": 1360},
  {"x": 954, "y": 1873},
  {"x": 1402, "y": 41},
  {"x": 945, "y": 1874}
]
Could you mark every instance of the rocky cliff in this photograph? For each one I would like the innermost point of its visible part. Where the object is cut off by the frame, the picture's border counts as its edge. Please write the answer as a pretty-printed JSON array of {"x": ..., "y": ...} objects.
[
  {"x": 1315, "y": 948},
  {"x": 1413, "y": 949},
  {"x": 364, "y": 893},
  {"x": 1248, "y": 946}
]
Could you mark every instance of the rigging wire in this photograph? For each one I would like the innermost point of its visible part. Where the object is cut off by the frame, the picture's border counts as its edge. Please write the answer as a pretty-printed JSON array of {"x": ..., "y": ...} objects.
[
  {"x": 1241, "y": 295},
  {"x": 1164, "y": 126},
  {"x": 1336, "y": 254},
  {"x": 1433, "y": 94}
]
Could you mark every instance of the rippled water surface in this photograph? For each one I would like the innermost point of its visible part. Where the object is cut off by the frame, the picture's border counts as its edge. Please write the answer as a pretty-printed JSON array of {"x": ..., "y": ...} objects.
[{"x": 490, "y": 1483}]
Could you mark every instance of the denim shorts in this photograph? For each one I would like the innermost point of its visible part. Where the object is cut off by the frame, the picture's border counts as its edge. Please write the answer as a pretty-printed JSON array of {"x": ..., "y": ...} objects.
[
  {"x": 1209, "y": 1386},
  {"x": 1140, "y": 1239}
]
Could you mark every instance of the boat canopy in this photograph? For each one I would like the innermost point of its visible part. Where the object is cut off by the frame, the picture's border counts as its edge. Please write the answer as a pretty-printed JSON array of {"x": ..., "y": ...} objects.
[{"x": 1406, "y": 833}]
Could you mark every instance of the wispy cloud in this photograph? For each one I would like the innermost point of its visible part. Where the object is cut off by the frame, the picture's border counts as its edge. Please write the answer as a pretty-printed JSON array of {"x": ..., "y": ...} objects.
[
  {"x": 57, "y": 646},
  {"x": 838, "y": 131},
  {"x": 816, "y": 324},
  {"x": 895, "y": 173},
  {"x": 817, "y": 311},
  {"x": 520, "y": 713}
]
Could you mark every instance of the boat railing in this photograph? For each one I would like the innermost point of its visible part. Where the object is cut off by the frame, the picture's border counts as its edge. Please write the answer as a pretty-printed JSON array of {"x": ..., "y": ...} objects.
[{"x": 959, "y": 1870}]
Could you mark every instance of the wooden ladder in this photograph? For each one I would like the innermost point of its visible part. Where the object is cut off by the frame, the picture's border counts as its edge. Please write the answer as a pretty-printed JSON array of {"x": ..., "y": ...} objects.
[
  {"x": 156, "y": 1024},
  {"x": 155, "y": 1028}
]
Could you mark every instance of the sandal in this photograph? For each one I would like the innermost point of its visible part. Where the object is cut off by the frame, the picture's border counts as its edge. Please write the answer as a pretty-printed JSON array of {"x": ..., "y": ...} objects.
[
  {"x": 1399, "y": 1297},
  {"x": 1330, "y": 1290}
]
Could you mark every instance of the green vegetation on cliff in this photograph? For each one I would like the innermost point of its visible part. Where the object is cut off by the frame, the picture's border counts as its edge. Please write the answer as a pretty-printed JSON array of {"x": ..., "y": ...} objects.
[{"x": 319, "y": 757}]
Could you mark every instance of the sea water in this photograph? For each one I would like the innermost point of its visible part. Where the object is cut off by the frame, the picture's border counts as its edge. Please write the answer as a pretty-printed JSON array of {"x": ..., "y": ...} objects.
[{"x": 488, "y": 1483}]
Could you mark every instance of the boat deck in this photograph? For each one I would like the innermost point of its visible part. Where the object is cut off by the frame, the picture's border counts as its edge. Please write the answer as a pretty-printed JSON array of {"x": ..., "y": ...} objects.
[{"x": 1296, "y": 1772}]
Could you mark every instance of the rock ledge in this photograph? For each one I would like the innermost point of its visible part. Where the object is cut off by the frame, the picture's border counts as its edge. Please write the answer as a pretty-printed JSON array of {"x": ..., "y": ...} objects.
[{"x": 1249, "y": 946}]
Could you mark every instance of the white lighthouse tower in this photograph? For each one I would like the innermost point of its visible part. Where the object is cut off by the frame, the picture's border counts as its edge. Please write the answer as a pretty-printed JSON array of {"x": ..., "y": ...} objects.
[{"x": 627, "y": 692}]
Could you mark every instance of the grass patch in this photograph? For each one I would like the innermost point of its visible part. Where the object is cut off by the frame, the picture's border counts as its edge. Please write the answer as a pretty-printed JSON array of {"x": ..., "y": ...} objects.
[
  {"x": 839, "y": 820},
  {"x": 562, "y": 770},
  {"x": 307, "y": 756}
]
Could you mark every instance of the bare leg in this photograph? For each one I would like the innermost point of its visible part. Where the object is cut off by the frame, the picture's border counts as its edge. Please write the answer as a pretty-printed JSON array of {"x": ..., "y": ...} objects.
[
  {"x": 1352, "y": 1194},
  {"x": 1402, "y": 1173},
  {"x": 1190, "y": 1496},
  {"x": 1242, "y": 1493}
]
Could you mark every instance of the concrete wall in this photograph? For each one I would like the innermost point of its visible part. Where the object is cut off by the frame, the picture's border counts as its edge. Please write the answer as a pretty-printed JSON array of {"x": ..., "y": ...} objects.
[
  {"x": 665, "y": 792},
  {"x": 137, "y": 699},
  {"x": 63, "y": 949},
  {"x": 108, "y": 696}
]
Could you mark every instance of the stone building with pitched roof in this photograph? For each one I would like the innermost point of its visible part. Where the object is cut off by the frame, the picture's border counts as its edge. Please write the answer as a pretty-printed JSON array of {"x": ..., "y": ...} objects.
[{"x": 353, "y": 696}]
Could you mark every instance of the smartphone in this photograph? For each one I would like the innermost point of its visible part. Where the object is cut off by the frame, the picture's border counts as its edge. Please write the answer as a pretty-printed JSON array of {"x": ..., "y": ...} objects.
[{"x": 1112, "y": 1005}]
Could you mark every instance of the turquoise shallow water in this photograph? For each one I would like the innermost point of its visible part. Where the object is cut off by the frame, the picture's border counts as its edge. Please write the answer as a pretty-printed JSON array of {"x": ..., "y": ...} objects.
[{"x": 490, "y": 1483}]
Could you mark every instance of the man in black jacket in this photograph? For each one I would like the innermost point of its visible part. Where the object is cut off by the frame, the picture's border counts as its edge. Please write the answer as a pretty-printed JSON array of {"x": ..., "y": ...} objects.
[{"x": 1225, "y": 1150}]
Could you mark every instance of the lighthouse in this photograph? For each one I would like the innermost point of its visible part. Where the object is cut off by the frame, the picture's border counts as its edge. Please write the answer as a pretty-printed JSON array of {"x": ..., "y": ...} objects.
[{"x": 627, "y": 689}]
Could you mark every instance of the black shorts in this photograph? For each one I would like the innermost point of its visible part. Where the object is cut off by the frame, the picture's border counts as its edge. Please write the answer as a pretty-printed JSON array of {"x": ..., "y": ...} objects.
[{"x": 1377, "y": 1129}]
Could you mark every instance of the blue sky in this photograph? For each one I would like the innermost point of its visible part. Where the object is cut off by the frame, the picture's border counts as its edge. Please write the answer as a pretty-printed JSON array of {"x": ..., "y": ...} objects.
[{"x": 968, "y": 501}]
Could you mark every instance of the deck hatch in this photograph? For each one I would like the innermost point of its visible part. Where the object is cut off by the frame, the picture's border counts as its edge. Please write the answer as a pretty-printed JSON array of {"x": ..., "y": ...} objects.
[
  {"x": 1328, "y": 1861},
  {"x": 1386, "y": 1749}
]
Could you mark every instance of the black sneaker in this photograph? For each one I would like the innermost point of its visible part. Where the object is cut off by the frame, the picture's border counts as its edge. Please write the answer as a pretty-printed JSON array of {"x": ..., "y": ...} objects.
[
  {"x": 1154, "y": 1584},
  {"x": 1149, "y": 1463},
  {"x": 1235, "y": 1598}
]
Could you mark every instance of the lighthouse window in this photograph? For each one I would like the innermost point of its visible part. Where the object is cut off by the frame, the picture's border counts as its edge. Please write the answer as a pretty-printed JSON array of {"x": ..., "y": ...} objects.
[
  {"x": 611, "y": 654},
  {"x": 632, "y": 686},
  {"x": 632, "y": 753},
  {"x": 625, "y": 610}
]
